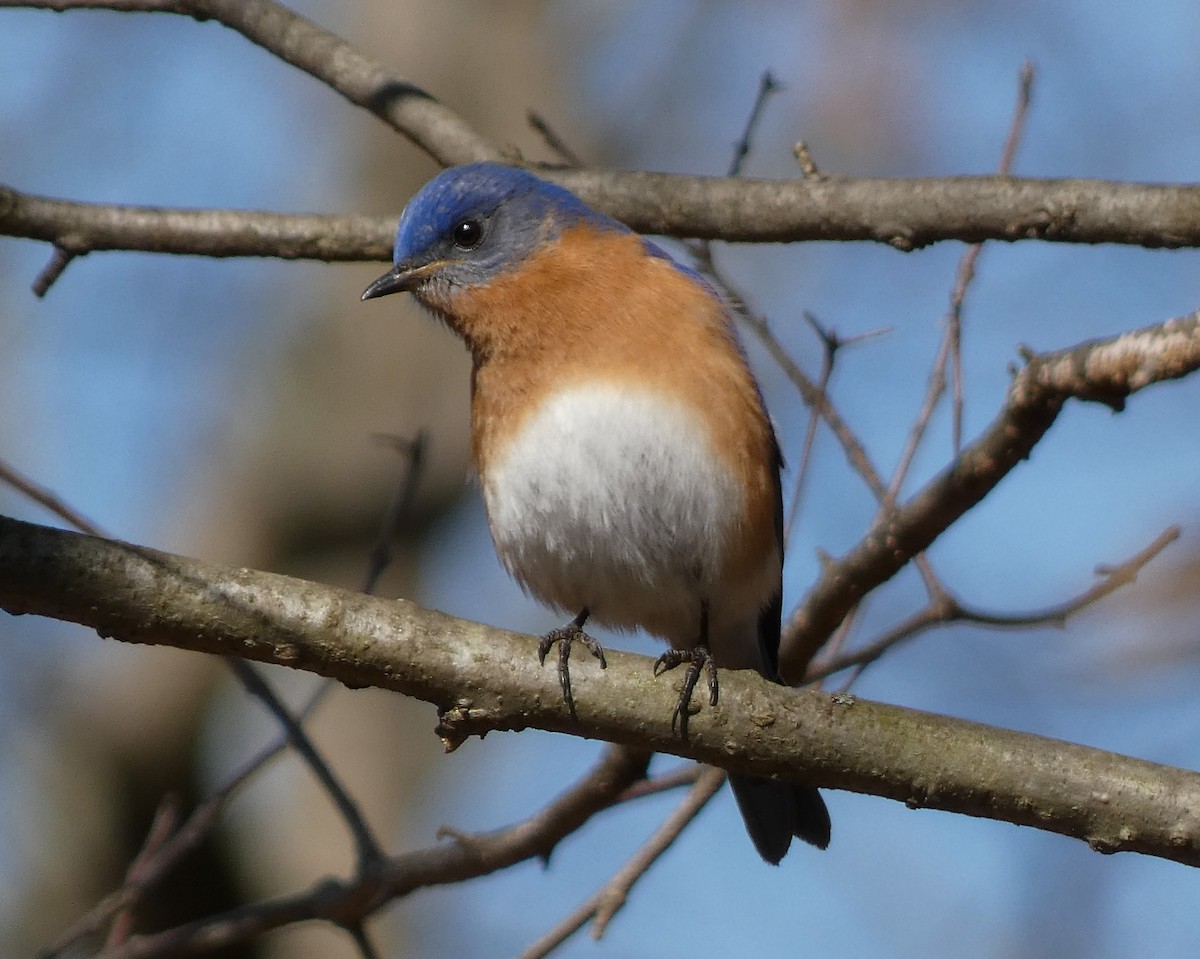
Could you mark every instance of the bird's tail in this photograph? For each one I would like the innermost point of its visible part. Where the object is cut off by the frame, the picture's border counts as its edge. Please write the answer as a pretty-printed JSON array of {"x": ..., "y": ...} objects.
[{"x": 774, "y": 812}]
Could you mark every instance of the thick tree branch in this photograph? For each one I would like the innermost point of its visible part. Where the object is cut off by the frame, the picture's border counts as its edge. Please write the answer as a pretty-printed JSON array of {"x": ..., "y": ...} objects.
[
  {"x": 904, "y": 213},
  {"x": 485, "y": 679},
  {"x": 1106, "y": 370},
  {"x": 86, "y": 227}
]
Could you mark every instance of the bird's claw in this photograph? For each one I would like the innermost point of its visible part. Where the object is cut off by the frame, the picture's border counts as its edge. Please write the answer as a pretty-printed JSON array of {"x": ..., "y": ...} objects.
[
  {"x": 698, "y": 659},
  {"x": 565, "y": 637}
]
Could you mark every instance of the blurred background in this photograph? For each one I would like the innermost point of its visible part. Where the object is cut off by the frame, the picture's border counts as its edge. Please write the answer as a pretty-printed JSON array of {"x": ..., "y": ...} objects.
[{"x": 227, "y": 410}]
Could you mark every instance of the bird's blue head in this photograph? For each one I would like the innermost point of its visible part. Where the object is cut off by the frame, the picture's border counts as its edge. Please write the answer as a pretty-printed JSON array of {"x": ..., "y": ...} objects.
[{"x": 472, "y": 223}]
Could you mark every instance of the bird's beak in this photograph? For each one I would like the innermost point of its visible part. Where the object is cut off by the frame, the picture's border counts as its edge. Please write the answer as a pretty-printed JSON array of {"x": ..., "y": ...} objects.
[
  {"x": 394, "y": 280},
  {"x": 400, "y": 278}
]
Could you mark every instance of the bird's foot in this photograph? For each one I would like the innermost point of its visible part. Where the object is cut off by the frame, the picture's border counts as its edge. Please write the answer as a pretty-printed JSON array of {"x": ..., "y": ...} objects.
[
  {"x": 566, "y": 636},
  {"x": 699, "y": 660}
]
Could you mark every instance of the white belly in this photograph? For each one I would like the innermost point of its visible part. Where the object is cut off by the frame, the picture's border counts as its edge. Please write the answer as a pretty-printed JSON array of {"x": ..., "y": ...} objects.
[{"x": 612, "y": 498}]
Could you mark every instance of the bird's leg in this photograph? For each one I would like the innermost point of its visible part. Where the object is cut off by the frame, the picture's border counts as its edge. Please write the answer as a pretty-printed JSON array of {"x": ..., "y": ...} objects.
[
  {"x": 698, "y": 659},
  {"x": 565, "y": 636}
]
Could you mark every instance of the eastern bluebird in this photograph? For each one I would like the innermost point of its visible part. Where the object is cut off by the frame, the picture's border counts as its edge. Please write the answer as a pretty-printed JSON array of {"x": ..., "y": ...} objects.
[{"x": 629, "y": 470}]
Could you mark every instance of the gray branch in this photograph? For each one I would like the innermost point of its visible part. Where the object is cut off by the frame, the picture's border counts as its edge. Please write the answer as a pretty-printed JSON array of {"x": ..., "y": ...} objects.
[
  {"x": 906, "y": 214},
  {"x": 1105, "y": 370},
  {"x": 484, "y": 679}
]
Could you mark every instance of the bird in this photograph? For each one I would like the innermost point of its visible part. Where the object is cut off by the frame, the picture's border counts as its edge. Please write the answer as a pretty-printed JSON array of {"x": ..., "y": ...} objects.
[{"x": 629, "y": 471}]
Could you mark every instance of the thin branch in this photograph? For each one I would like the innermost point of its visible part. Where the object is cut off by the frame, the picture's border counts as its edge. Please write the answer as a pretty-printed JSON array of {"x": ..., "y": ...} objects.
[
  {"x": 369, "y": 853},
  {"x": 605, "y": 903},
  {"x": 831, "y": 344},
  {"x": 348, "y": 903},
  {"x": 964, "y": 277},
  {"x": 966, "y": 268},
  {"x": 950, "y": 351},
  {"x": 1016, "y": 129},
  {"x": 615, "y": 893},
  {"x": 166, "y": 857},
  {"x": 164, "y": 824},
  {"x": 676, "y": 779},
  {"x": 810, "y": 392},
  {"x": 947, "y": 609},
  {"x": 1112, "y": 578},
  {"x": 60, "y": 259},
  {"x": 767, "y": 85},
  {"x": 1105, "y": 370},
  {"x": 935, "y": 387},
  {"x": 905, "y": 214},
  {"x": 555, "y": 142},
  {"x": 399, "y": 507},
  {"x": 9, "y": 476},
  {"x": 368, "y": 849},
  {"x": 362, "y": 941}
]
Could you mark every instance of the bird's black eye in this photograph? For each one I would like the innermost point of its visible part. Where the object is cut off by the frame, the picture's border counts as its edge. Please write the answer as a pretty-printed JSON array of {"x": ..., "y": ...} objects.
[{"x": 467, "y": 234}]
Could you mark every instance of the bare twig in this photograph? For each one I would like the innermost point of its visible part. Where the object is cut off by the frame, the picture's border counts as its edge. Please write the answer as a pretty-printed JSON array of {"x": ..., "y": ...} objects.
[
  {"x": 1106, "y": 370},
  {"x": 167, "y": 856},
  {"x": 165, "y": 822},
  {"x": 1016, "y": 129},
  {"x": 349, "y": 903},
  {"x": 933, "y": 393},
  {"x": 369, "y": 852},
  {"x": 950, "y": 352},
  {"x": 808, "y": 166},
  {"x": 1112, "y": 578},
  {"x": 44, "y": 497},
  {"x": 553, "y": 140},
  {"x": 616, "y": 891},
  {"x": 966, "y": 267},
  {"x": 831, "y": 343},
  {"x": 60, "y": 259},
  {"x": 683, "y": 776},
  {"x": 91, "y": 227},
  {"x": 812, "y": 395},
  {"x": 947, "y": 609},
  {"x": 767, "y": 85},
  {"x": 362, "y": 941},
  {"x": 413, "y": 453},
  {"x": 600, "y": 908}
]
